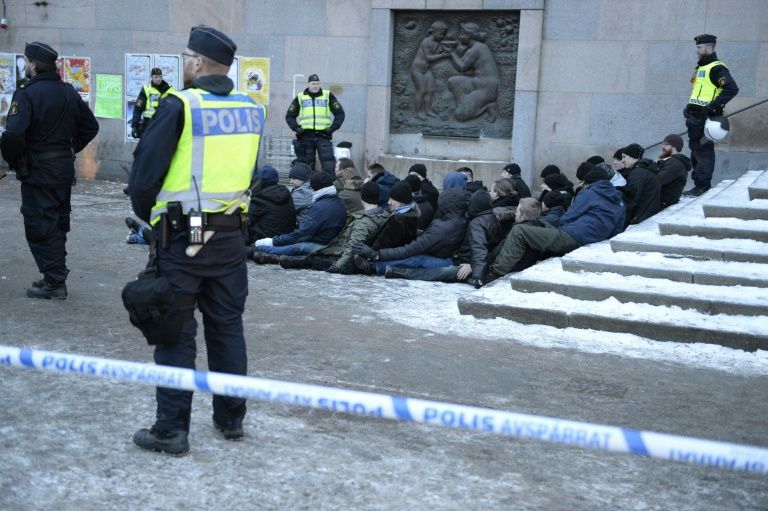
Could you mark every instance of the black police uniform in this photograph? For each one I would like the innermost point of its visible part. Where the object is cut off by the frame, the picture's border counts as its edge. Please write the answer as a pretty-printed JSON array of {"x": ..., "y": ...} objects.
[
  {"x": 138, "y": 123},
  {"x": 216, "y": 277},
  {"x": 48, "y": 123},
  {"x": 310, "y": 141},
  {"x": 703, "y": 149}
]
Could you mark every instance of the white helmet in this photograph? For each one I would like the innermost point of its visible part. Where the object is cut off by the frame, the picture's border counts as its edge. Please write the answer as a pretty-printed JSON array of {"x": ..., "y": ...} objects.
[{"x": 716, "y": 128}]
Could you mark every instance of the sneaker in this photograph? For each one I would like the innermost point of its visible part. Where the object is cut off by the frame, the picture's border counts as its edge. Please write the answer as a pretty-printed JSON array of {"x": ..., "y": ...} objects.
[
  {"x": 365, "y": 265},
  {"x": 394, "y": 272},
  {"x": 232, "y": 431},
  {"x": 132, "y": 224},
  {"x": 132, "y": 239},
  {"x": 696, "y": 191},
  {"x": 48, "y": 290},
  {"x": 296, "y": 262},
  {"x": 160, "y": 440}
]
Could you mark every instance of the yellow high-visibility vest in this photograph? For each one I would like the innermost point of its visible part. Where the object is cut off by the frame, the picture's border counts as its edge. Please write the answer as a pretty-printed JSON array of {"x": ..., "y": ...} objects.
[
  {"x": 216, "y": 154},
  {"x": 315, "y": 113},
  {"x": 704, "y": 91},
  {"x": 153, "y": 96}
]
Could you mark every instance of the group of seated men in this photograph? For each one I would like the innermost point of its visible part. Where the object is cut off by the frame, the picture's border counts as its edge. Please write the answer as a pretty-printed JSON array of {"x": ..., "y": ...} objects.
[{"x": 406, "y": 228}]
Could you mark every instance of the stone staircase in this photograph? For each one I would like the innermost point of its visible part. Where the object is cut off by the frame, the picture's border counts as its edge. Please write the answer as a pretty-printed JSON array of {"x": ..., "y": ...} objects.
[{"x": 696, "y": 272}]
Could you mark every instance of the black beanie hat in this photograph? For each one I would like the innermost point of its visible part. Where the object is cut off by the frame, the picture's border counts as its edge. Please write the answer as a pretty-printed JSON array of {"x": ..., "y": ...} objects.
[
  {"x": 320, "y": 180},
  {"x": 41, "y": 52},
  {"x": 212, "y": 43},
  {"x": 549, "y": 170},
  {"x": 556, "y": 198},
  {"x": 402, "y": 192},
  {"x": 420, "y": 169},
  {"x": 594, "y": 160},
  {"x": 369, "y": 193},
  {"x": 583, "y": 169},
  {"x": 300, "y": 171},
  {"x": 595, "y": 174},
  {"x": 557, "y": 181},
  {"x": 512, "y": 168},
  {"x": 414, "y": 182},
  {"x": 633, "y": 151}
]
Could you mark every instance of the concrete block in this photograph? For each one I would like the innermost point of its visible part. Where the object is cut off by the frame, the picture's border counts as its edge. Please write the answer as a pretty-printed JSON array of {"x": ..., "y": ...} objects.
[
  {"x": 347, "y": 18},
  {"x": 289, "y": 17},
  {"x": 377, "y": 122},
  {"x": 513, "y": 4},
  {"x": 652, "y": 20},
  {"x": 669, "y": 69},
  {"x": 435, "y": 4},
  {"x": 737, "y": 20},
  {"x": 610, "y": 67},
  {"x": 761, "y": 77},
  {"x": 398, "y": 4},
  {"x": 759, "y": 188},
  {"x": 730, "y": 164},
  {"x": 742, "y": 62},
  {"x": 524, "y": 132},
  {"x": 14, "y": 39},
  {"x": 226, "y": 16},
  {"x": 620, "y": 119},
  {"x": 529, "y": 50},
  {"x": 673, "y": 274},
  {"x": 563, "y": 118},
  {"x": 100, "y": 45},
  {"x": 354, "y": 100},
  {"x": 716, "y": 231},
  {"x": 254, "y": 45},
  {"x": 149, "y": 15},
  {"x": 69, "y": 14},
  {"x": 382, "y": 25},
  {"x": 566, "y": 20},
  {"x": 321, "y": 55},
  {"x": 463, "y": 4}
]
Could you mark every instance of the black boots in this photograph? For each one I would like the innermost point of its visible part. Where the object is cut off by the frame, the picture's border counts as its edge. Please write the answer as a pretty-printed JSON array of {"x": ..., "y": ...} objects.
[
  {"x": 696, "y": 191},
  {"x": 394, "y": 272},
  {"x": 262, "y": 257},
  {"x": 160, "y": 440},
  {"x": 232, "y": 431},
  {"x": 47, "y": 290},
  {"x": 296, "y": 262}
]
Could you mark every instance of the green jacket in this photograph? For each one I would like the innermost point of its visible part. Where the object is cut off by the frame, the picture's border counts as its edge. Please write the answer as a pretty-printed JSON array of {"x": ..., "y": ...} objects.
[{"x": 364, "y": 227}]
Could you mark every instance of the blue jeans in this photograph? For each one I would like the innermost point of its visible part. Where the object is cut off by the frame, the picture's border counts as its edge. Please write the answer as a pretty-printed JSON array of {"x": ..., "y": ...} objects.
[
  {"x": 441, "y": 274},
  {"x": 303, "y": 248},
  {"x": 421, "y": 261}
]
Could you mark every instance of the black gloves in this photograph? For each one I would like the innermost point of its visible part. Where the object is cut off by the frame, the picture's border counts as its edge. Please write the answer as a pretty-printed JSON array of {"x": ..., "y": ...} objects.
[
  {"x": 363, "y": 250},
  {"x": 300, "y": 132},
  {"x": 135, "y": 133}
]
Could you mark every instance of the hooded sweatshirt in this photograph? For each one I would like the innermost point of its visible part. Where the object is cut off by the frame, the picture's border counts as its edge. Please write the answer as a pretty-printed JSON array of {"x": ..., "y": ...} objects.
[{"x": 596, "y": 214}]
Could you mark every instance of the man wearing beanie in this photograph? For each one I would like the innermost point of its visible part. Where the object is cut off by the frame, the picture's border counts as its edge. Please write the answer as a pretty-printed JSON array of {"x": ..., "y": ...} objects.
[
  {"x": 271, "y": 212},
  {"x": 553, "y": 206},
  {"x": 713, "y": 88},
  {"x": 643, "y": 190},
  {"x": 314, "y": 115},
  {"x": 47, "y": 124},
  {"x": 348, "y": 185},
  {"x": 323, "y": 221},
  {"x": 596, "y": 214},
  {"x": 364, "y": 227},
  {"x": 426, "y": 213},
  {"x": 512, "y": 172},
  {"x": 170, "y": 188},
  {"x": 428, "y": 189},
  {"x": 384, "y": 179},
  {"x": 673, "y": 170},
  {"x": 301, "y": 193},
  {"x": 148, "y": 101}
]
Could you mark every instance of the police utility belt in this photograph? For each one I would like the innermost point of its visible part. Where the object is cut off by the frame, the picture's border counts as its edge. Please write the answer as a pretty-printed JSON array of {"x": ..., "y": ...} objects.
[
  {"x": 30, "y": 159},
  {"x": 196, "y": 223}
]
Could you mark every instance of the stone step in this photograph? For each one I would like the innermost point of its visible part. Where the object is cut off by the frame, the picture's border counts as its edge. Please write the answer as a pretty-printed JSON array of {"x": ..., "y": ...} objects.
[
  {"x": 717, "y": 228},
  {"x": 759, "y": 189},
  {"x": 650, "y": 321},
  {"x": 734, "y": 201},
  {"x": 598, "y": 258},
  {"x": 549, "y": 276},
  {"x": 726, "y": 249}
]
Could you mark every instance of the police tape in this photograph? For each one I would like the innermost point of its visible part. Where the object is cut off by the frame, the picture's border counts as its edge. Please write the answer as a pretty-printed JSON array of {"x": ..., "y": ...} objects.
[{"x": 695, "y": 451}]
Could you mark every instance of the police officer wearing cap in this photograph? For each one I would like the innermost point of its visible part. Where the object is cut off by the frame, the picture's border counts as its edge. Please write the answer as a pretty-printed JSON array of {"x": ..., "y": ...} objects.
[
  {"x": 47, "y": 124},
  {"x": 198, "y": 154},
  {"x": 713, "y": 87},
  {"x": 148, "y": 101},
  {"x": 314, "y": 115}
]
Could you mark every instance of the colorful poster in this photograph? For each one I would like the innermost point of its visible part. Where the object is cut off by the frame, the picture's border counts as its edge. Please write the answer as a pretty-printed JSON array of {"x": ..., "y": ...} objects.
[
  {"x": 234, "y": 73},
  {"x": 129, "y": 104},
  {"x": 109, "y": 96},
  {"x": 170, "y": 65},
  {"x": 5, "y": 104},
  {"x": 77, "y": 71},
  {"x": 7, "y": 73},
  {"x": 254, "y": 78},
  {"x": 137, "y": 68},
  {"x": 60, "y": 67}
]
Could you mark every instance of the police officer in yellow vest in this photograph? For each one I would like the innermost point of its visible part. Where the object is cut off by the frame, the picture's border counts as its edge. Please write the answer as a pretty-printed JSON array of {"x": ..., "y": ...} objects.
[
  {"x": 314, "y": 115},
  {"x": 198, "y": 154},
  {"x": 148, "y": 101},
  {"x": 713, "y": 87}
]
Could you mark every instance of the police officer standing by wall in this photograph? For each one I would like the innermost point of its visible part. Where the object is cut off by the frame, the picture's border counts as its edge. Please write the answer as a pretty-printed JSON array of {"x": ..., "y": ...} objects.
[
  {"x": 198, "y": 155},
  {"x": 48, "y": 123},
  {"x": 147, "y": 102},
  {"x": 314, "y": 115},
  {"x": 713, "y": 87}
]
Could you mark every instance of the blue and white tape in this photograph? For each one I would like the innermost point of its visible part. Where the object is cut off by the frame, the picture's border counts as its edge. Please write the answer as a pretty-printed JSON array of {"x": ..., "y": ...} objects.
[{"x": 696, "y": 451}]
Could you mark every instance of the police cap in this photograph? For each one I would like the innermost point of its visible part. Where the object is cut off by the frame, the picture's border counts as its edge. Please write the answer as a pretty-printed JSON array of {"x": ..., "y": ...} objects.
[
  {"x": 213, "y": 44},
  {"x": 41, "y": 52},
  {"x": 156, "y": 71},
  {"x": 313, "y": 78},
  {"x": 705, "y": 39}
]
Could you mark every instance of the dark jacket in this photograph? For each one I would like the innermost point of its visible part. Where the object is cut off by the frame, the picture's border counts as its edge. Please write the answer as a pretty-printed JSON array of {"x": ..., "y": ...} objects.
[
  {"x": 141, "y": 105},
  {"x": 295, "y": 108},
  {"x": 399, "y": 229},
  {"x": 596, "y": 214},
  {"x": 673, "y": 173},
  {"x": 426, "y": 213},
  {"x": 444, "y": 235},
  {"x": 552, "y": 215},
  {"x": 429, "y": 191},
  {"x": 504, "y": 208},
  {"x": 271, "y": 212},
  {"x": 350, "y": 194},
  {"x": 483, "y": 234},
  {"x": 323, "y": 221},
  {"x": 33, "y": 128},
  {"x": 473, "y": 186},
  {"x": 520, "y": 186},
  {"x": 363, "y": 228},
  {"x": 643, "y": 190},
  {"x": 386, "y": 181}
]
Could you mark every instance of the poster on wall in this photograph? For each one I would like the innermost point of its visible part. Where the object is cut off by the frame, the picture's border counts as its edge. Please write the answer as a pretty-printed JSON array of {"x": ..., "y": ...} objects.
[
  {"x": 109, "y": 96},
  {"x": 7, "y": 85},
  {"x": 169, "y": 64},
  {"x": 77, "y": 72},
  {"x": 129, "y": 105},
  {"x": 137, "y": 68},
  {"x": 254, "y": 78}
]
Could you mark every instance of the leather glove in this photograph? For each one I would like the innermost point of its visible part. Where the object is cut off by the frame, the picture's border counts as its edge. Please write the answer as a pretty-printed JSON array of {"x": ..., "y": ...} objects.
[
  {"x": 135, "y": 133},
  {"x": 363, "y": 250}
]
